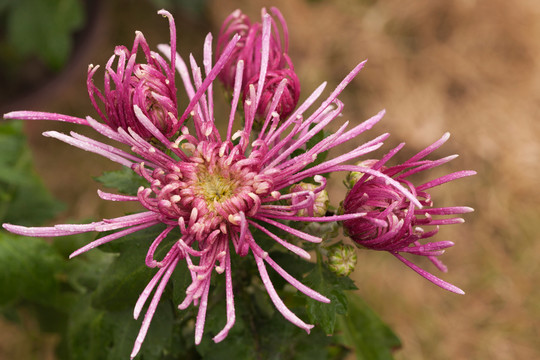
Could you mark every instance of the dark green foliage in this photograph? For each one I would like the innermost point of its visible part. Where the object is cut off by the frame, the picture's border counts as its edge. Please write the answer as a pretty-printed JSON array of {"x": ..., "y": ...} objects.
[
  {"x": 333, "y": 287},
  {"x": 126, "y": 181},
  {"x": 241, "y": 342},
  {"x": 100, "y": 334},
  {"x": 125, "y": 279},
  {"x": 43, "y": 28},
  {"x": 30, "y": 270},
  {"x": 127, "y": 276},
  {"x": 260, "y": 331},
  {"x": 24, "y": 199},
  {"x": 363, "y": 331}
]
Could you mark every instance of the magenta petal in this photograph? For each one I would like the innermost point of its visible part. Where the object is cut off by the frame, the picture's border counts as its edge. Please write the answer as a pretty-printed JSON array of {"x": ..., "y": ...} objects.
[
  {"x": 39, "y": 115},
  {"x": 441, "y": 283},
  {"x": 280, "y": 306}
]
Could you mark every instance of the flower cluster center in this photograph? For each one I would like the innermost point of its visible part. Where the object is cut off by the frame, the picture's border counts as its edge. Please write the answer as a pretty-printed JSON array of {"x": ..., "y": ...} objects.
[
  {"x": 215, "y": 187},
  {"x": 209, "y": 190}
]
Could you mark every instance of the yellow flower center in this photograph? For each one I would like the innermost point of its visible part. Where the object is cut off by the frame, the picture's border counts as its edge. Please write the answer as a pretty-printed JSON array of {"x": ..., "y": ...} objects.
[{"x": 215, "y": 187}]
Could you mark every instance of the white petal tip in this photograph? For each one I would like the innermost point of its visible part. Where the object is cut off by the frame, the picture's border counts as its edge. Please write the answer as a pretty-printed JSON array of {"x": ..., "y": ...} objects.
[
  {"x": 326, "y": 300},
  {"x": 308, "y": 328}
]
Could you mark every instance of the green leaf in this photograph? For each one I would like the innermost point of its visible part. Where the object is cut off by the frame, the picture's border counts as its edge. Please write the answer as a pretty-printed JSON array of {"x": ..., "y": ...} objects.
[
  {"x": 45, "y": 28},
  {"x": 126, "y": 181},
  {"x": 333, "y": 287},
  {"x": 291, "y": 263},
  {"x": 362, "y": 330},
  {"x": 160, "y": 335},
  {"x": 126, "y": 277},
  {"x": 30, "y": 269},
  {"x": 24, "y": 199},
  {"x": 100, "y": 334},
  {"x": 31, "y": 205},
  {"x": 88, "y": 333},
  {"x": 82, "y": 273},
  {"x": 180, "y": 280},
  {"x": 240, "y": 343},
  {"x": 125, "y": 330},
  {"x": 279, "y": 339}
]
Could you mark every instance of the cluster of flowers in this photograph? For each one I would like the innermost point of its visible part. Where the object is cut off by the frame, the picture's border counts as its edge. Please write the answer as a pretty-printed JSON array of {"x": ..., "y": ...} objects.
[{"x": 216, "y": 188}]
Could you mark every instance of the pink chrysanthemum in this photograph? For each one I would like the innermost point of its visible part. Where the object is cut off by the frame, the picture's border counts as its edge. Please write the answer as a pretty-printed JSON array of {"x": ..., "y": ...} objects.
[
  {"x": 150, "y": 86},
  {"x": 217, "y": 188},
  {"x": 248, "y": 49},
  {"x": 392, "y": 222},
  {"x": 249, "y": 46},
  {"x": 289, "y": 98}
]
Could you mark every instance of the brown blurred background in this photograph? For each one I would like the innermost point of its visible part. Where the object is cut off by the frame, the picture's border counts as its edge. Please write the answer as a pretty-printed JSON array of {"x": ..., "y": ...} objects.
[{"x": 471, "y": 67}]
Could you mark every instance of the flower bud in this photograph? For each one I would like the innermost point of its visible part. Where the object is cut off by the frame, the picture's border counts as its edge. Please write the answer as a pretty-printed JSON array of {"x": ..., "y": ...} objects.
[
  {"x": 342, "y": 259},
  {"x": 353, "y": 177},
  {"x": 289, "y": 97},
  {"x": 311, "y": 200},
  {"x": 150, "y": 85},
  {"x": 236, "y": 23},
  {"x": 249, "y": 47}
]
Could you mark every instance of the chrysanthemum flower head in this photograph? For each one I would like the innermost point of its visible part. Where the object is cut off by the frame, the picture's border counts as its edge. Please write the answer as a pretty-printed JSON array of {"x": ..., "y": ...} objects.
[
  {"x": 392, "y": 222},
  {"x": 248, "y": 50},
  {"x": 249, "y": 46},
  {"x": 289, "y": 98},
  {"x": 150, "y": 85}
]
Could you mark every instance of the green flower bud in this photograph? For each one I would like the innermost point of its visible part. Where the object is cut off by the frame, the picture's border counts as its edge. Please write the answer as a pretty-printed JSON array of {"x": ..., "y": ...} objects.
[
  {"x": 342, "y": 259},
  {"x": 318, "y": 207},
  {"x": 353, "y": 177}
]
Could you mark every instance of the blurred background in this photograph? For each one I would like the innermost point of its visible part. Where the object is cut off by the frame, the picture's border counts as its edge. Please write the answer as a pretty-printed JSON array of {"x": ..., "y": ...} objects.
[{"x": 471, "y": 67}]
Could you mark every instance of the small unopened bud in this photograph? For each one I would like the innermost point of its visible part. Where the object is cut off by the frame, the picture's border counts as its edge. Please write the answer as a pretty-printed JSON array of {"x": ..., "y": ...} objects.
[
  {"x": 317, "y": 207},
  {"x": 353, "y": 177},
  {"x": 235, "y": 23},
  {"x": 342, "y": 259}
]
